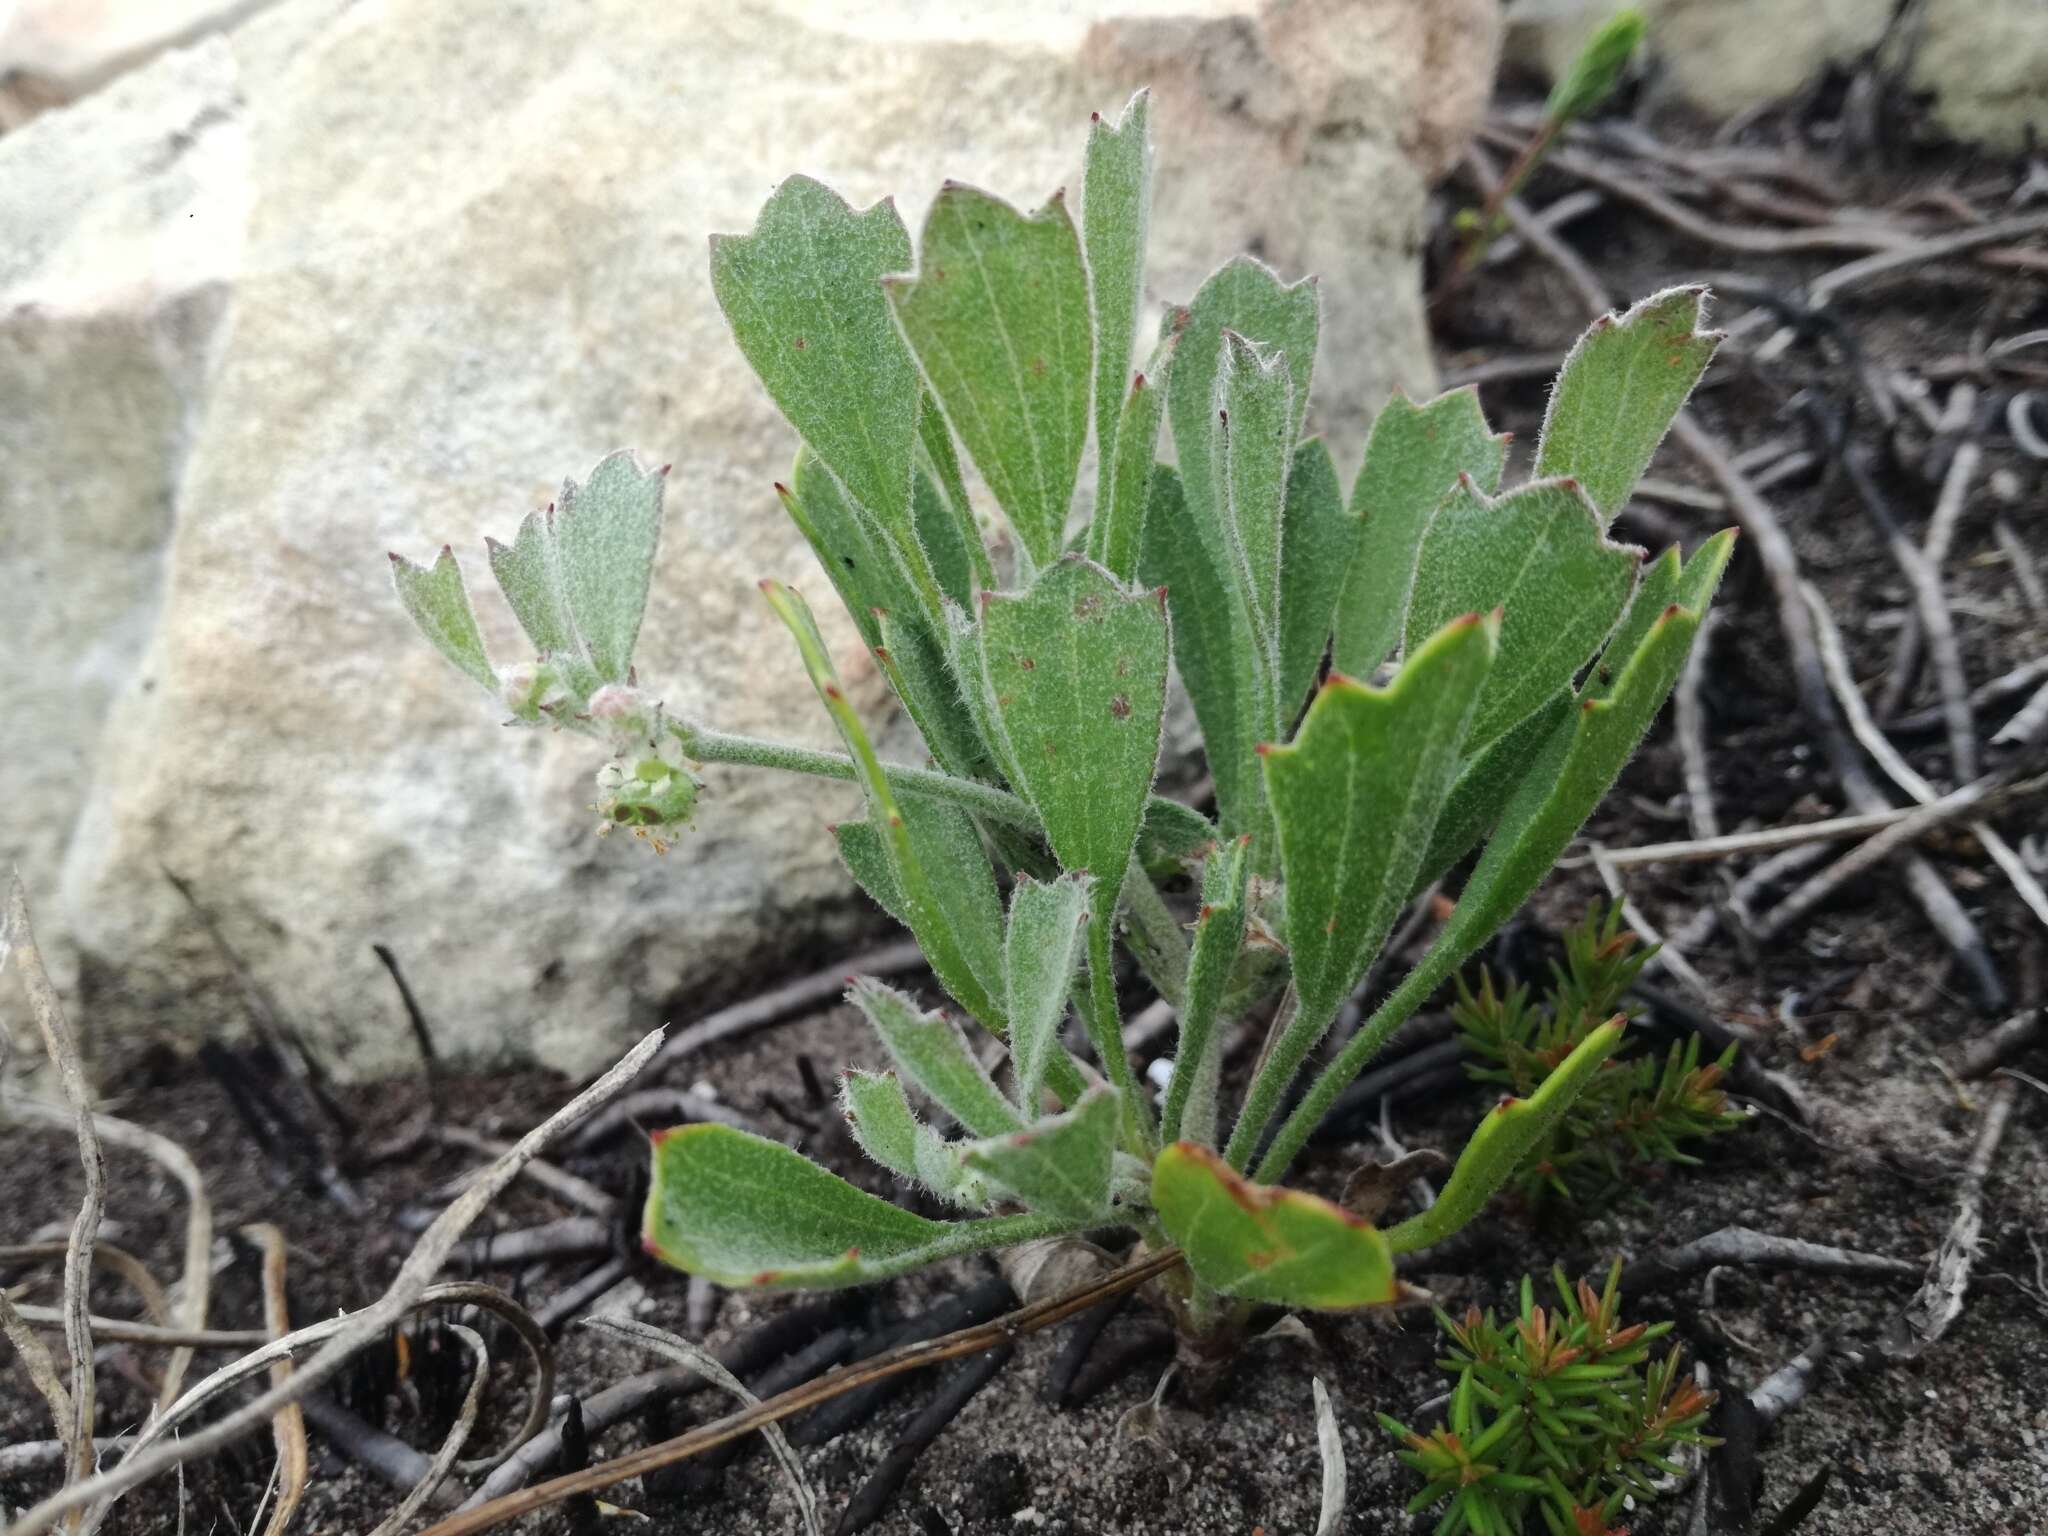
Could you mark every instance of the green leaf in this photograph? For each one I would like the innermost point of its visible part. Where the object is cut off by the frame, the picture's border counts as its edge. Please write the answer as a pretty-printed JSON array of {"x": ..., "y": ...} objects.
[
  {"x": 1656, "y": 591},
  {"x": 1190, "y": 1107},
  {"x": 922, "y": 676},
  {"x": 1317, "y": 537},
  {"x": 943, "y": 537},
  {"x": 439, "y": 605},
  {"x": 850, "y": 546},
  {"x": 1116, "y": 536},
  {"x": 1244, "y": 296},
  {"x": 607, "y": 530},
  {"x": 1597, "y": 70},
  {"x": 1538, "y": 554},
  {"x": 1076, "y": 667},
  {"x": 1412, "y": 461},
  {"x": 889, "y": 1131},
  {"x": 938, "y": 460},
  {"x": 530, "y": 577},
  {"x": 1116, "y": 204},
  {"x": 930, "y": 1050},
  {"x": 1212, "y": 650},
  {"x": 1266, "y": 1244},
  {"x": 998, "y": 318},
  {"x": 802, "y": 294},
  {"x": 961, "y": 929},
  {"x": 1254, "y": 443},
  {"x": 744, "y": 1211},
  {"x": 1566, "y": 779},
  {"x": 1483, "y": 786},
  {"x": 1041, "y": 951},
  {"x": 1502, "y": 1139},
  {"x": 1059, "y": 1165},
  {"x": 934, "y": 872},
  {"x": 1356, "y": 797},
  {"x": 1620, "y": 387}
]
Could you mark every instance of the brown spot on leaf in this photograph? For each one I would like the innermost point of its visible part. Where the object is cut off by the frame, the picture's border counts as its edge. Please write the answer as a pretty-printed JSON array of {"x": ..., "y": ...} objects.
[
  {"x": 1089, "y": 608},
  {"x": 1120, "y": 708},
  {"x": 800, "y": 343},
  {"x": 1026, "y": 664}
]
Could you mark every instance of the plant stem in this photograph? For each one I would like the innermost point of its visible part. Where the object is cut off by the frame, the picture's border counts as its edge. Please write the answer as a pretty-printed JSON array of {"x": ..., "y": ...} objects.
[
  {"x": 1106, "y": 1029},
  {"x": 709, "y": 746},
  {"x": 1351, "y": 1061}
]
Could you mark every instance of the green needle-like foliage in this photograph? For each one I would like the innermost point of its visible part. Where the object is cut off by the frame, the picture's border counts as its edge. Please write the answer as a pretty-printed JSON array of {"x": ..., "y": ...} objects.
[
  {"x": 1563, "y": 1413},
  {"x": 1643, "y": 1110},
  {"x": 1530, "y": 654}
]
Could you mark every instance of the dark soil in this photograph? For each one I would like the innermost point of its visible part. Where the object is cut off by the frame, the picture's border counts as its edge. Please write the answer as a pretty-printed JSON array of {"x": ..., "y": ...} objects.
[{"x": 1857, "y": 1007}]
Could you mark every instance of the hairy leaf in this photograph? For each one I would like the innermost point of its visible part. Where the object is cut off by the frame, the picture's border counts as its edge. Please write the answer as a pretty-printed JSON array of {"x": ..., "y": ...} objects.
[
  {"x": 745, "y": 1211},
  {"x": 1538, "y": 554},
  {"x": 934, "y": 873},
  {"x": 931, "y": 1050},
  {"x": 1116, "y": 204},
  {"x": 439, "y": 604},
  {"x": 1268, "y": 1244},
  {"x": 1212, "y": 650},
  {"x": 1567, "y": 778},
  {"x": 1317, "y": 537},
  {"x": 1247, "y": 297},
  {"x": 607, "y": 529},
  {"x": 941, "y": 465},
  {"x": 1254, "y": 443},
  {"x": 889, "y": 1131},
  {"x": 998, "y": 317},
  {"x": 1356, "y": 798},
  {"x": 1620, "y": 387},
  {"x": 1076, "y": 667},
  {"x": 529, "y": 575},
  {"x": 1117, "y": 534},
  {"x": 802, "y": 295},
  {"x": 1059, "y": 1165},
  {"x": 922, "y": 675},
  {"x": 1190, "y": 1107},
  {"x": 863, "y": 569},
  {"x": 1503, "y": 1138},
  {"x": 1483, "y": 786},
  {"x": 1041, "y": 951},
  {"x": 1412, "y": 461}
]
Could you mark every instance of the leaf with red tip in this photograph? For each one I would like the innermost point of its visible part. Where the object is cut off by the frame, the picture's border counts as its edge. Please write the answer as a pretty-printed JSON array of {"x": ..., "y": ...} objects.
[
  {"x": 1356, "y": 797},
  {"x": 1620, "y": 387},
  {"x": 1116, "y": 204},
  {"x": 439, "y": 604},
  {"x": 997, "y": 316},
  {"x": 802, "y": 294},
  {"x": 1538, "y": 554},
  {"x": 744, "y": 1211},
  {"x": 1263, "y": 1243},
  {"x": 1317, "y": 537},
  {"x": 1059, "y": 1165},
  {"x": 889, "y": 1131},
  {"x": 1412, "y": 461},
  {"x": 1504, "y": 1137},
  {"x": 930, "y": 1050}
]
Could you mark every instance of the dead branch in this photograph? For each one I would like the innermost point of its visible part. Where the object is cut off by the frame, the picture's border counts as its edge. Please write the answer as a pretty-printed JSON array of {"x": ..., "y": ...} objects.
[
  {"x": 571, "y": 1237},
  {"x": 1786, "y": 1388},
  {"x": 577, "y": 1191},
  {"x": 289, "y": 1427},
  {"x": 195, "y": 1285},
  {"x": 56, "y": 1032},
  {"x": 1939, "y": 1301},
  {"x": 1988, "y": 1052},
  {"x": 968, "y": 1341},
  {"x": 1754, "y": 1250},
  {"x": 344, "y": 1336}
]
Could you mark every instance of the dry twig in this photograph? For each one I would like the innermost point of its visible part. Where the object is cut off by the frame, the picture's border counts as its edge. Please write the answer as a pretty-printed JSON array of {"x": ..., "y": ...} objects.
[
  {"x": 451, "y": 1447},
  {"x": 1939, "y": 1301},
  {"x": 56, "y": 1033},
  {"x": 289, "y": 1427},
  {"x": 1754, "y": 1250},
  {"x": 344, "y": 1337}
]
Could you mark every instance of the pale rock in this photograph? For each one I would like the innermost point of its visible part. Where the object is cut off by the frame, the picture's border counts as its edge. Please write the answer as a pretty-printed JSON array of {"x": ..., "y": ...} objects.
[
  {"x": 1983, "y": 62},
  {"x": 358, "y": 277}
]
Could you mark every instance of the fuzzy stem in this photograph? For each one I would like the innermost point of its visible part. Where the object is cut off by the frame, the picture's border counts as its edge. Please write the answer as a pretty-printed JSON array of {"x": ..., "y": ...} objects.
[
  {"x": 1105, "y": 1028},
  {"x": 709, "y": 746},
  {"x": 1351, "y": 1061}
]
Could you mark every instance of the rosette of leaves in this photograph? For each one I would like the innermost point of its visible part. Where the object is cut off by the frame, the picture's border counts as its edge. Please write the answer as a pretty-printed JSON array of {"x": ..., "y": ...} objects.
[
  {"x": 1639, "y": 1110},
  {"x": 1497, "y": 658},
  {"x": 1565, "y": 1412}
]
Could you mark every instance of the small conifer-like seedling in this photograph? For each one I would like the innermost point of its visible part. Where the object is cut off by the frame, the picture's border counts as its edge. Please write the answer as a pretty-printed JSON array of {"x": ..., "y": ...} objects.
[
  {"x": 1639, "y": 1112},
  {"x": 1565, "y": 1412},
  {"x": 1497, "y": 658}
]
